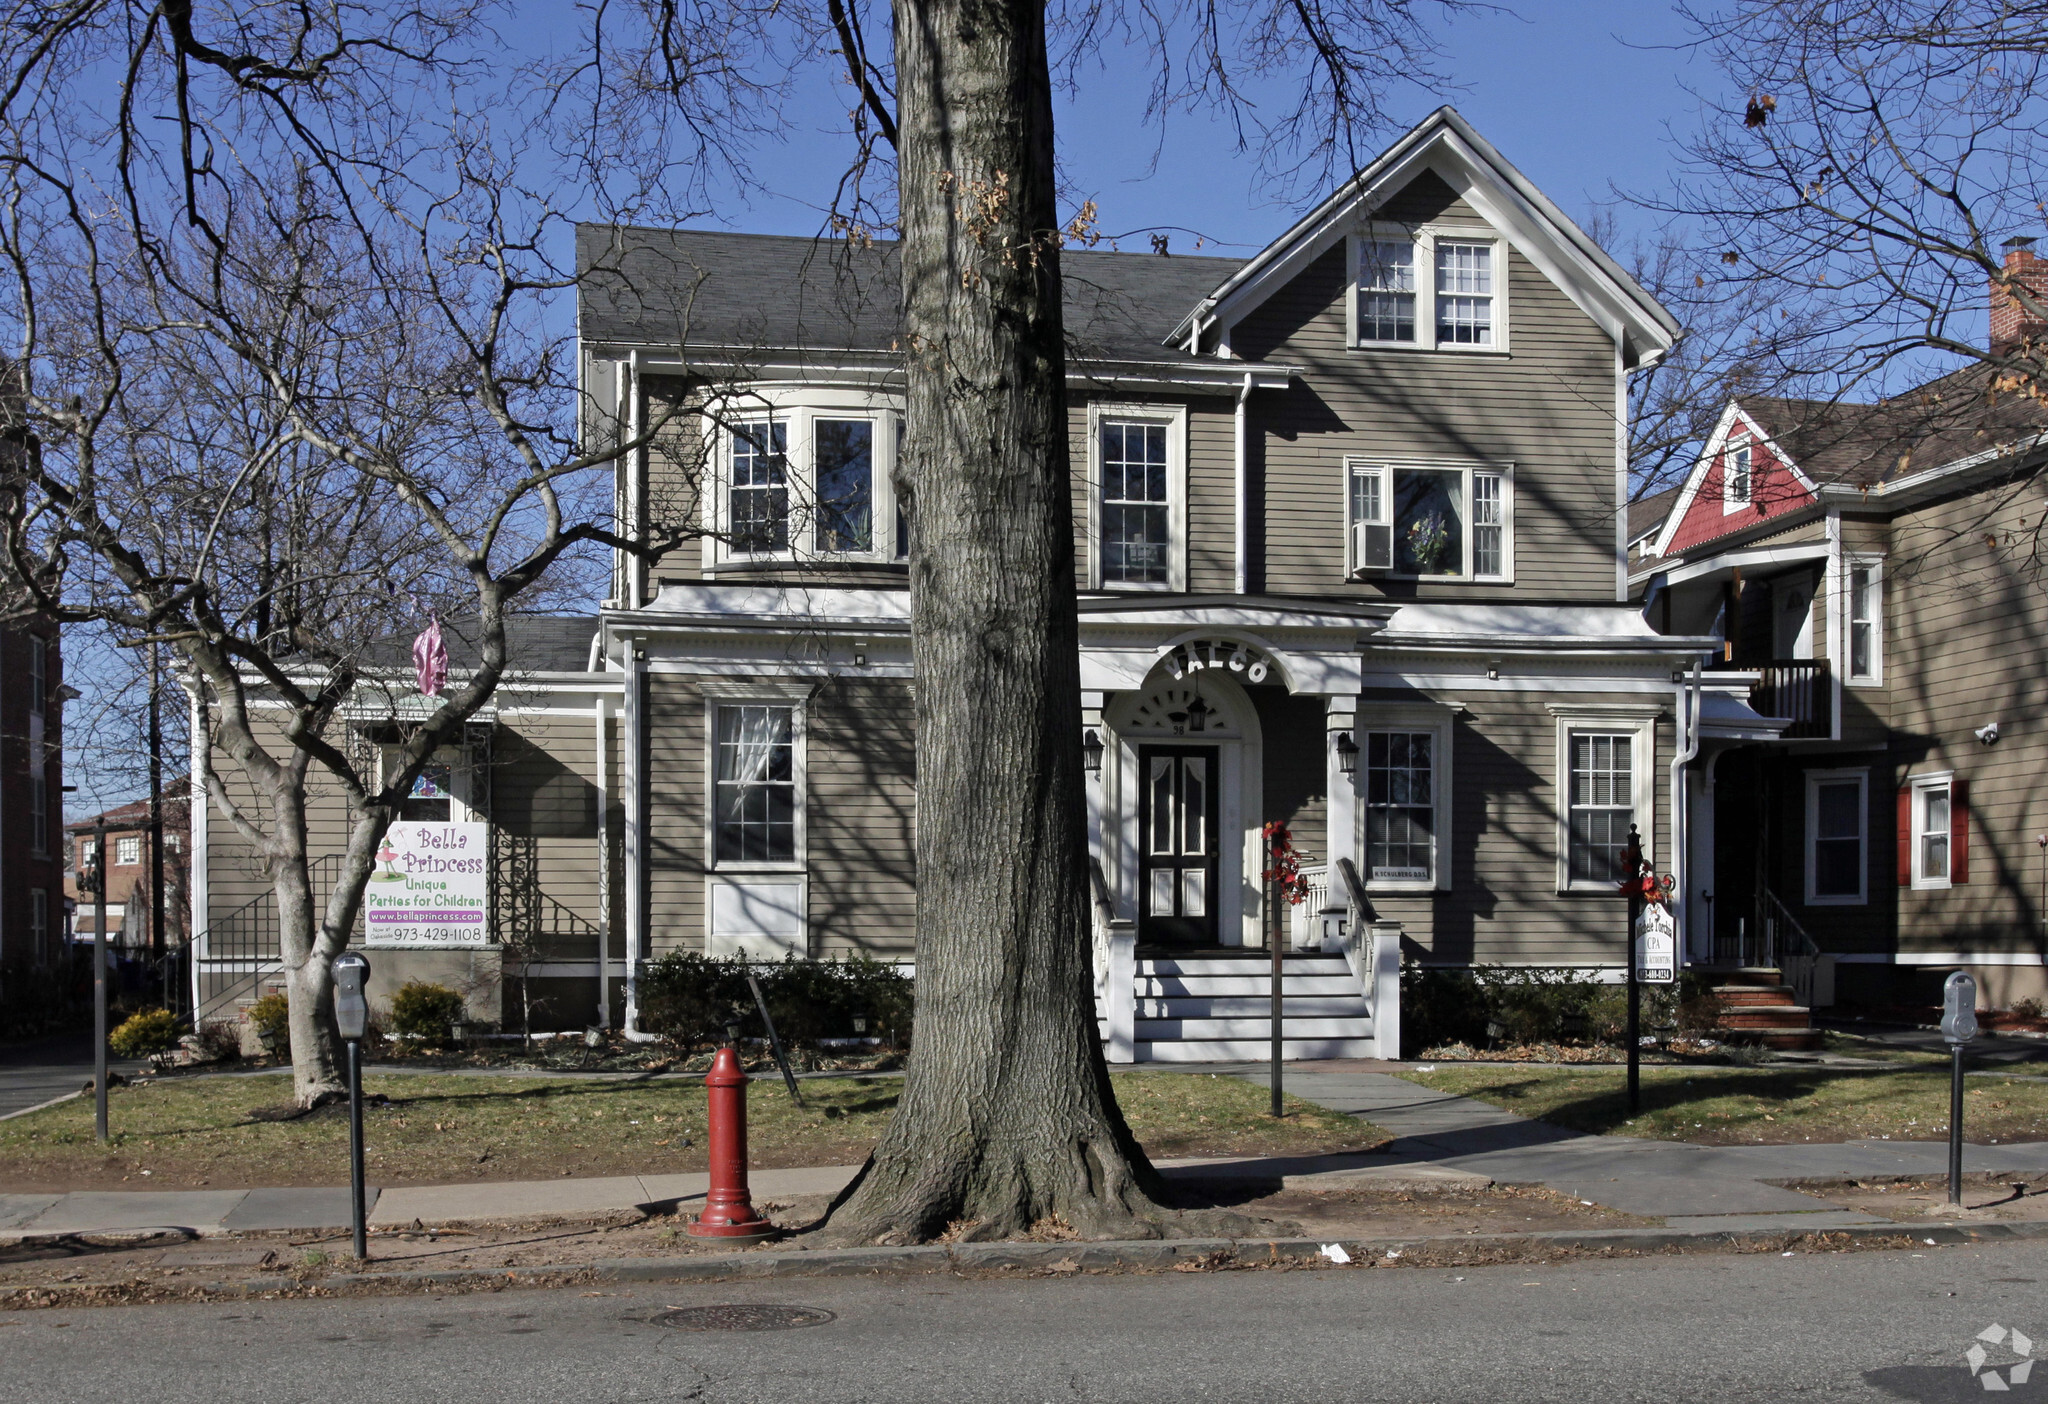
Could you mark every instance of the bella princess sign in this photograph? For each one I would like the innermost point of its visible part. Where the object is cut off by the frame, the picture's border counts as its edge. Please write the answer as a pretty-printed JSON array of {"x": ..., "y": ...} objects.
[{"x": 430, "y": 887}]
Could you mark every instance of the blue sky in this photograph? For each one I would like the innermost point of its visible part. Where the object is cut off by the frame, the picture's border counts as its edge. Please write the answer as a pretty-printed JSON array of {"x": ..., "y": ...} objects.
[{"x": 1581, "y": 94}]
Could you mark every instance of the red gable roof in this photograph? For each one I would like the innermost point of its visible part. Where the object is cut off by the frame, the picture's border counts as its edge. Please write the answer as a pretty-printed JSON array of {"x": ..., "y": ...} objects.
[{"x": 1775, "y": 490}]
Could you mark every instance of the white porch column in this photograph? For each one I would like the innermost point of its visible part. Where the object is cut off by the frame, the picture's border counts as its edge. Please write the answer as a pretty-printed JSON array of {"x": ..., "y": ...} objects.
[
  {"x": 1340, "y": 810},
  {"x": 1120, "y": 997}
]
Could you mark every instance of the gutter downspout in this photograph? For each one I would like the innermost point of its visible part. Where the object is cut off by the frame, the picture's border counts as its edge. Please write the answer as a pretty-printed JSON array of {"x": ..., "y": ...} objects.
[
  {"x": 1688, "y": 717},
  {"x": 636, "y": 479},
  {"x": 1243, "y": 489},
  {"x": 604, "y": 861}
]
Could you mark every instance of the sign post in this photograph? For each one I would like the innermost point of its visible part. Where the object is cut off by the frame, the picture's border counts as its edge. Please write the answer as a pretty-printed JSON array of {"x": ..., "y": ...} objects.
[
  {"x": 1652, "y": 951},
  {"x": 1958, "y": 1027},
  {"x": 352, "y": 1014},
  {"x": 99, "y": 981}
]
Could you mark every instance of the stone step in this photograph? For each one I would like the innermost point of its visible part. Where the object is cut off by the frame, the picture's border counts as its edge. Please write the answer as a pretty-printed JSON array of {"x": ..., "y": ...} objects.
[
  {"x": 1776, "y": 1016},
  {"x": 1252, "y": 1050},
  {"x": 1254, "y": 1007},
  {"x": 1753, "y": 996},
  {"x": 1202, "y": 1030}
]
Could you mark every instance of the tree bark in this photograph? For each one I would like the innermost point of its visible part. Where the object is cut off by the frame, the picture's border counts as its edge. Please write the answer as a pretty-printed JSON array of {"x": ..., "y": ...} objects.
[{"x": 1007, "y": 1118}]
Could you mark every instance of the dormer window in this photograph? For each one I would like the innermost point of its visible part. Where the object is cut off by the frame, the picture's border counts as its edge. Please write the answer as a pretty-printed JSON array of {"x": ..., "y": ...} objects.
[
  {"x": 1736, "y": 485},
  {"x": 1428, "y": 289}
]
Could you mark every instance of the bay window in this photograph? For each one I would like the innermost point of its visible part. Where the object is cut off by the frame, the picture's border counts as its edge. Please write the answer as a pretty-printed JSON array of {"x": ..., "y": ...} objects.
[
  {"x": 1428, "y": 289},
  {"x": 846, "y": 483},
  {"x": 807, "y": 480},
  {"x": 1429, "y": 522},
  {"x": 759, "y": 492}
]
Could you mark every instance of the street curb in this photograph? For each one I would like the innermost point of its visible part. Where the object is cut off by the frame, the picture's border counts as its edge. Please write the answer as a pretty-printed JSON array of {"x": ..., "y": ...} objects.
[
  {"x": 1068, "y": 1257},
  {"x": 42, "y": 1106}
]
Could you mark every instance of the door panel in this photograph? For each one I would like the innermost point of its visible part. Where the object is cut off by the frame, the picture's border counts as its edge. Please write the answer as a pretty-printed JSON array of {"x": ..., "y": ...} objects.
[{"x": 1178, "y": 864}]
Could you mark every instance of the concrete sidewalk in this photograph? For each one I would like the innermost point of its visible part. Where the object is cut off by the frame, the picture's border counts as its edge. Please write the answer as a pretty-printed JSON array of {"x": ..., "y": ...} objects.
[{"x": 1441, "y": 1142}]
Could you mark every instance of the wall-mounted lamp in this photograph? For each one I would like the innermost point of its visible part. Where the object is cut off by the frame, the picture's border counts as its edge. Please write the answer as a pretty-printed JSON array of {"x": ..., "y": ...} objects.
[
  {"x": 1347, "y": 753},
  {"x": 1988, "y": 733},
  {"x": 1091, "y": 751},
  {"x": 1199, "y": 713}
]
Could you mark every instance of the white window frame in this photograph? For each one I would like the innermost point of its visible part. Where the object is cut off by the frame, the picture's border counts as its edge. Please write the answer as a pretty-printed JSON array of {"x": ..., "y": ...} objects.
[
  {"x": 127, "y": 850},
  {"x": 1424, "y": 239},
  {"x": 1611, "y": 719},
  {"x": 1918, "y": 786},
  {"x": 1815, "y": 779},
  {"x": 1175, "y": 419},
  {"x": 461, "y": 791},
  {"x": 795, "y": 696},
  {"x": 799, "y": 416},
  {"x": 1846, "y": 613},
  {"x": 1730, "y": 503},
  {"x": 1355, "y": 568},
  {"x": 1438, "y": 722}
]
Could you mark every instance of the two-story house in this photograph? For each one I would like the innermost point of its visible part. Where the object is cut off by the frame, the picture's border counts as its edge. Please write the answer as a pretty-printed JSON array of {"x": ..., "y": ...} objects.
[
  {"x": 1872, "y": 574},
  {"x": 1352, "y": 528}
]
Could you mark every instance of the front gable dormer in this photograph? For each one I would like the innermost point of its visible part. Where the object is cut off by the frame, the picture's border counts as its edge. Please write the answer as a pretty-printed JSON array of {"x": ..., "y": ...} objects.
[{"x": 1743, "y": 478}]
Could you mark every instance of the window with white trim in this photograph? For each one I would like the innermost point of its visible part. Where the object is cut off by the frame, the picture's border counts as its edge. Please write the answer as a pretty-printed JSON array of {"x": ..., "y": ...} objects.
[
  {"x": 754, "y": 790},
  {"x": 1735, "y": 477},
  {"x": 807, "y": 481},
  {"x": 1837, "y": 837},
  {"x": 1428, "y": 289},
  {"x": 1137, "y": 468},
  {"x": 1933, "y": 830},
  {"x": 844, "y": 450},
  {"x": 1602, "y": 804},
  {"x": 1862, "y": 613},
  {"x": 128, "y": 850},
  {"x": 1429, "y": 521},
  {"x": 1400, "y": 806},
  {"x": 757, "y": 491}
]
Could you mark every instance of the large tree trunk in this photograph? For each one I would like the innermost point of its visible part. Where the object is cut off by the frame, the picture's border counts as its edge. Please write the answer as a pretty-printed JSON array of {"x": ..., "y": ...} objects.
[
  {"x": 309, "y": 987},
  {"x": 1007, "y": 1117}
]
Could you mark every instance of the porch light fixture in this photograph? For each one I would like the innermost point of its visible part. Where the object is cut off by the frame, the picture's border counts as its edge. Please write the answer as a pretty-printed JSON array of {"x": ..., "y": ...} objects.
[
  {"x": 1347, "y": 753},
  {"x": 1199, "y": 713},
  {"x": 1091, "y": 751}
]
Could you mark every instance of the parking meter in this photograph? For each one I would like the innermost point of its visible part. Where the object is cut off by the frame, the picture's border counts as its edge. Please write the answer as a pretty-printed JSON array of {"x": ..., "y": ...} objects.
[
  {"x": 1958, "y": 1027},
  {"x": 351, "y": 1006},
  {"x": 352, "y": 1013},
  {"x": 1959, "y": 1008}
]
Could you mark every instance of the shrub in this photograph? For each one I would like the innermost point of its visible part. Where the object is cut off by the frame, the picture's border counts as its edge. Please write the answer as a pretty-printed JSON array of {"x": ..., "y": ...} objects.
[
  {"x": 688, "y": 998},
  {"x": 2029, "y": 1008},
  {"x": 271, "y": 1016},
  {"x": 424, "y": 1011},
  {"x": 219, "y": 1041},
  {"x": 143, "y": 1033},
  {"x": 1488, "y": 1005}
]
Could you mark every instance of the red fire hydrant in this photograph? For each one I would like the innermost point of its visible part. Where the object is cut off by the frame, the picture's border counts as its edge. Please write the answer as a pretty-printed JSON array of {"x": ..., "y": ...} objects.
[{"x": 728, "y": 1208}]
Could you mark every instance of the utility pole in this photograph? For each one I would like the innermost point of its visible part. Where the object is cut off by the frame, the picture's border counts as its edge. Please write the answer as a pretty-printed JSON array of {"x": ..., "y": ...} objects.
[
  {"x": 157, "y": 943},
  {"x": 99, "y": 980}
]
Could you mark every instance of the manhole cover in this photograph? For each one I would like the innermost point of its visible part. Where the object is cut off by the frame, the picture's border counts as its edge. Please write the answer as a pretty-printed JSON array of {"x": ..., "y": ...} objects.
[{"x": 742, "y": 1318}]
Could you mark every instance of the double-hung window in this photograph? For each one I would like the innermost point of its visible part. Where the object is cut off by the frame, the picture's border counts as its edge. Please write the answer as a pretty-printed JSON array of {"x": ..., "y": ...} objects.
[
  {"x": 1601, "y": 799},
  {"x": 754, "y": 784},
  {"x": 1429, "y": 521},
  {"x": 1836, "y": 837},
  {"x": 1400, "y": 806},
  {"x": 128, "y": 850},
  {"x": 1428, "y": 289},
  {"x": 1864, "y": 642},
  {"x": 1736, "y": 485},
  {"x": 1935, "y": 824},
  {"x": 758, "y": 491},
  {"x": 1137, "y": 465}
]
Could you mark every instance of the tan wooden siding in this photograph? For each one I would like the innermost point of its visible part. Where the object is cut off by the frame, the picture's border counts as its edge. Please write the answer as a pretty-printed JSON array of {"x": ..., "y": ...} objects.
[
  {"x": 1504, "y": 906},
  {"x": 234, "y": 876},
  {"x": 1211, "y": 508},
  {"x": 674, "y": 782},
  {"x": 543, "y": 810},
  {"x": 1296, "y": 776},
  {"x": 1547, "y": 407},
  {"x": 1965, "y": 615},
  {"x": 860, "y": 814}
]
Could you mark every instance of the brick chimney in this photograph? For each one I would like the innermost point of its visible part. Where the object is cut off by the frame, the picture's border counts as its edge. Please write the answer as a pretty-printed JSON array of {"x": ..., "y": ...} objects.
[{"x": 2010, "y": 324}]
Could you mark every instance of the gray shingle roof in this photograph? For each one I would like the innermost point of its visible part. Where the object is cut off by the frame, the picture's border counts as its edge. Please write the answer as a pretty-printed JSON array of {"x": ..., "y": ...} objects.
[
  {"x": 1646, "y": 514},
  {"x": 1946, "y": 419},
  {"x": 709, "y": 288},
  {"x": 535, "y": 643}
]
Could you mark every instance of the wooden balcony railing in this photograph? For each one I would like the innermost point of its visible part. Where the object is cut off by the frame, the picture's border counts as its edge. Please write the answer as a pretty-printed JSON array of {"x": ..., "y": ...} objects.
[{"x": 1796, "y": 688}]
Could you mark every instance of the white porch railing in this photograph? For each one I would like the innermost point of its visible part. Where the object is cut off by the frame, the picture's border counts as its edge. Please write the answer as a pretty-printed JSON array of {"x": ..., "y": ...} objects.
[
  {"x": 1115, "y": 942},
  {"x": 1373, "y": 951},
  {"x": 1305, "y": 918}
]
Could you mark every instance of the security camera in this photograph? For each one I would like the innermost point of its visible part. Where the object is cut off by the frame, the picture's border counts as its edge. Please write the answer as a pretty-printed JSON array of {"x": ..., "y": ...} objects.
[{"x": 1988, "y": 732}]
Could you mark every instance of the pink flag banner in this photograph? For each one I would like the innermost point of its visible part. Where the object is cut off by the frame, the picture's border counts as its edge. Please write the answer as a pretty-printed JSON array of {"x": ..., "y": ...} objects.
[{"x": 430, "y": 658}]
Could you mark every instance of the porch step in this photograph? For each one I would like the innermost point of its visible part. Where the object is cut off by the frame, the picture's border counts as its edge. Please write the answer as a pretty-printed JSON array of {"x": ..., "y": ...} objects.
[
  {"x": 1255, "y": 1006},
  {"x": 1252, "y": 1050},
  {"x": 1753, "y": 996},
  {"x": 1158, "y": 1030},
  {"x": 1200, "y": 986},
  {"x": 1773, "y": 1016}
]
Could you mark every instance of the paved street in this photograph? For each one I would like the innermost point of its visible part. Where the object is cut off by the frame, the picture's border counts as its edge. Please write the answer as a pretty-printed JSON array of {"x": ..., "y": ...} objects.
[
  {"x": 33, "y": 1073},
  {"x": 1866, "y": 1326}
]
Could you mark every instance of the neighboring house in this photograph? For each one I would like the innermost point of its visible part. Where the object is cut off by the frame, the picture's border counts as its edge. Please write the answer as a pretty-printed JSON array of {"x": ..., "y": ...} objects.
[
  {"x": 128, "y": 876},
  {"x": 1874, "y": 575},
  {"x": 32, "y": 926},
  {"x": 1352, "y": 532}
]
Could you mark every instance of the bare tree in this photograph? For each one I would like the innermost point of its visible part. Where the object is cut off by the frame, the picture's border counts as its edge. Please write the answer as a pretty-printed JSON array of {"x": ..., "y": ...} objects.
[{"x": 286, "y": 378}]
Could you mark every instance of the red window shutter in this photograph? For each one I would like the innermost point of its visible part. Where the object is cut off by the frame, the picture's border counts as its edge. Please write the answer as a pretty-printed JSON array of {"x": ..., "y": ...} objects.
[
  {"x": 1959, "y": 831},
  {"x": 1906, "y": 837}
]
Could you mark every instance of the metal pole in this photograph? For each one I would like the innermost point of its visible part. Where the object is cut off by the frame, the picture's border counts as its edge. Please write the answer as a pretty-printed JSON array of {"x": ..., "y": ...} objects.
[
  {"x": 99, "y": 983},
  {"x": 1273, "y": 927},
  {"x": 1635, "y": 986},
  {"x": 355, "y": 1148},
  {"x": 158, "y": 946},
  {"x": 774, "y": 1039},
  {"x": 1955, "y": 1126}
]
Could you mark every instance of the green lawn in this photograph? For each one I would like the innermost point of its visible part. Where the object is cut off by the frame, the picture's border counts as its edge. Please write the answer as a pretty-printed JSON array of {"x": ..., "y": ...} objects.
[
  {"x": 442, "y": 1129},
  {"x": 1750, "y": 1106}
]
